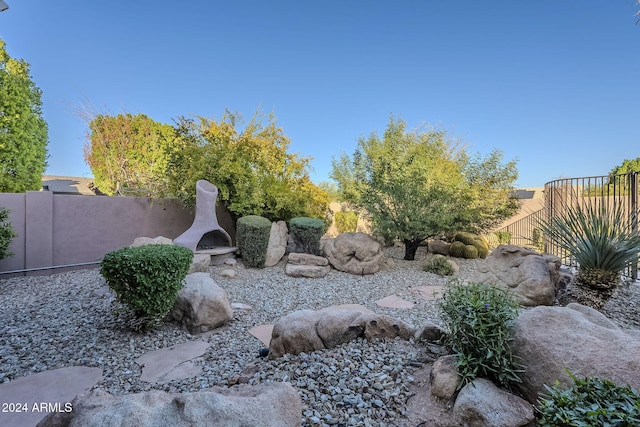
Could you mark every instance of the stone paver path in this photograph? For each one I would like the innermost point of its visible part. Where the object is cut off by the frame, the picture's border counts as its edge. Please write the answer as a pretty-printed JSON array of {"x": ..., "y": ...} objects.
[
  {"x": 172, "y": 363},
  {"x": 430, "y": 293},
  {"x": 394, "y": 301},
  {"x": 45, "y": 392}
]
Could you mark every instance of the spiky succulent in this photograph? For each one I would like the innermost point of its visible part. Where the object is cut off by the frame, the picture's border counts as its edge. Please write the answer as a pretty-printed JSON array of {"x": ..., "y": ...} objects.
[{"x": 601, "y": 239}]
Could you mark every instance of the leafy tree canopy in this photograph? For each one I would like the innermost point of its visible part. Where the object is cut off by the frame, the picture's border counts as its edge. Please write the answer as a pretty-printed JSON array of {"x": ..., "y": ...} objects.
[
  {"x": 419, "y": 184},
  {"x": 250, "y": 165},
  {"x": 626, "y": 167},
  {"x": 129, "y": 154},
  {"x": 23, "y": 131}
]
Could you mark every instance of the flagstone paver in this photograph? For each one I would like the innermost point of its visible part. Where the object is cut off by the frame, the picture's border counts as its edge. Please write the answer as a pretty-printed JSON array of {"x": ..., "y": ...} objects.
[
  {"x": 44, "y": 392},
  {"x": 263, "y": 333},
  {"x": 394, "y": 301},
  {"x": 171, "y": 363},
  {"x": 430, "y": 293}
]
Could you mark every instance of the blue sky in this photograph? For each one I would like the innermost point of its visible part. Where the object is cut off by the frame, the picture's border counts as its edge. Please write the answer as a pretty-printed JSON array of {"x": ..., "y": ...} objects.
[{"x": 553, "y": 84}]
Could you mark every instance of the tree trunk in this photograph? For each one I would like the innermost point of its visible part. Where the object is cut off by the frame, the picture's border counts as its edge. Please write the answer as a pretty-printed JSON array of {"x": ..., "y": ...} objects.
[{"x": 410, "y": 248}]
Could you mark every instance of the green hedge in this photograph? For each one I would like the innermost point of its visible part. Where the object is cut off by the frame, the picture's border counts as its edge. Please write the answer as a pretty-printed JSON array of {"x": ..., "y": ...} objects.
[
  {"x": 7, "y": 233},
  {"x": 252, "y": 236},
  {"x": 306, "y": 234},
  {"x": 147, "y": 278}
]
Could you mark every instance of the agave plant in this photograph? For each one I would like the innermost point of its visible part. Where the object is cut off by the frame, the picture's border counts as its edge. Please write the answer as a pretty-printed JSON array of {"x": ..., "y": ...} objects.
[{"x": 602, "y": 241}]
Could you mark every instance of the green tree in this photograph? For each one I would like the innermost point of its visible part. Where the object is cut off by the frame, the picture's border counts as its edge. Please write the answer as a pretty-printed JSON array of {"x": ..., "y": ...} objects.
[
  {"x": 129, "y": 154},
  {"x": 626, "y": 167},
  {"x": 419, "y": 184},
  {"x": 23, "y": 131},
  {"x": 251, "y": 167}
]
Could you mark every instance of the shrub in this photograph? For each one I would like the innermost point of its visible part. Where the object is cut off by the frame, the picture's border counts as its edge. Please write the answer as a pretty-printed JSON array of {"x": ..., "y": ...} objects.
[
  {"x": 457, "y": 249},
  {"x": 602, "y": 240},
  {"x": 479, "y": 318},
  {"x": 470, "y": 252},
  {"x": 589, "y": 402},
  {"x": 504, "y": 237},
  {"x": 147, "y": 278},
  {"x": 537, "y": 239},
  {"x": 7, "y": 233},
  {"x": 346, "y": 221},
  {"x": 252, "y": 235},
  {"x": 439, "y": 265},
  {"x": 306, "y": 234}
]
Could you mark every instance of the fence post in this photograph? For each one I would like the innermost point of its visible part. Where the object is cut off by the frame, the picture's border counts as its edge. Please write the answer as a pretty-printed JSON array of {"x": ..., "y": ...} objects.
[{"x": 633, "y": 210}]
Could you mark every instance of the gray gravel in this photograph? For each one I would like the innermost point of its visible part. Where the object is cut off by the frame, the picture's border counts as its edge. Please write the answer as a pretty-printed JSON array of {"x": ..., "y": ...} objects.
[{"x": 68, "y": 319}]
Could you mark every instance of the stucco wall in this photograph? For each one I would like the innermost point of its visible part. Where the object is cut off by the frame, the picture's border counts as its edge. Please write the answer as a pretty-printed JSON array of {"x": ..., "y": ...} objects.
[{"x": 59, "y": 229}]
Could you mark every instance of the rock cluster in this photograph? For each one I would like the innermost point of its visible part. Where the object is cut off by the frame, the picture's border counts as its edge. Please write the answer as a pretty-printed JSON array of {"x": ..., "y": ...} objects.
[
  {"x": 306, "y": 265},
  {"x": 309, "y": 330},
  {"x": 268, "y": 405}
]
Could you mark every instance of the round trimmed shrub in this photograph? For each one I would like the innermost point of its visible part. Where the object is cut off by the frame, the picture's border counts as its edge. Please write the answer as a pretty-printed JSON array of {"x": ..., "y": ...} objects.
[
  {"x": 252, "y": 236},
  {"x": 147, "y": 278}
]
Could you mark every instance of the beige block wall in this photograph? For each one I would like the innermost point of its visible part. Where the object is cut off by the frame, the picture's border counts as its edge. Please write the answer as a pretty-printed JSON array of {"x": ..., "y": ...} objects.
[{"x": 59, "y": 229}]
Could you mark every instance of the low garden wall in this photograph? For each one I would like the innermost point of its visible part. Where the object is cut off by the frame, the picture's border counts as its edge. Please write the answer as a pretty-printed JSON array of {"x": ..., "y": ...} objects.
[{"x": 60, "y": 229}]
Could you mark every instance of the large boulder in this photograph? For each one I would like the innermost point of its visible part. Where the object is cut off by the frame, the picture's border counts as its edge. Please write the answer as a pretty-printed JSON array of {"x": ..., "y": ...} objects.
[
  {"x": 481, "y": 403},
  {"x": 532, "y": 277},
  {"x": 265, "y": 405},
  {"x": 277, "y": 243},
  {"x": 355, "y": 253},
  {"x": 578, "y": 338},
  {"x": 309, "y": 330},
  {"x": 201, "y": 305}
]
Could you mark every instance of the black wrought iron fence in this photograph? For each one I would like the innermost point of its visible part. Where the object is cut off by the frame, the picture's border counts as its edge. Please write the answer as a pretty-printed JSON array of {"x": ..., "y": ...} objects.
[{"x": 610, "y": 191}]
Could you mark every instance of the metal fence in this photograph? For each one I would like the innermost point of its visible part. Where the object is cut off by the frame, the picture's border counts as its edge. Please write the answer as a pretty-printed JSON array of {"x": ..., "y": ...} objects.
[{"x": 608, "y": 191}]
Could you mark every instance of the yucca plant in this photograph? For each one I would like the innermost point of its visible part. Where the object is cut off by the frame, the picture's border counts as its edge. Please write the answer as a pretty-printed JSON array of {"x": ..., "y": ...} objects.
[{"x": 602, "y": 241}]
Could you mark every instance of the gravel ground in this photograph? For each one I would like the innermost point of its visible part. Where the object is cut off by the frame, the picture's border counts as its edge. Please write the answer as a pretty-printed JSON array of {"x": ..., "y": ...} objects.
[{"x": 68, "y": 319}]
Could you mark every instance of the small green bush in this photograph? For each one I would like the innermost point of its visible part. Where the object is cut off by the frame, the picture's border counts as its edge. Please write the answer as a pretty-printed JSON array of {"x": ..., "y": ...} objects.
[
  {"x": 504, "y": 237},
  {"x": 252, "y": 236},
  {"x": 470, "y": 252},
  {"x": 479, "y": 319},
  {"x": 147, "y": 278},
  {"x": 457, "y": 249},
  {"x": 7, "y": 233},
  {"x": 439, "y": 265},
  {"x": 589, "y": 402},
  {"x": 537, "y": 239},
  {"x": 346, "y": 221},
  {"x": 306, "y": 234}
]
